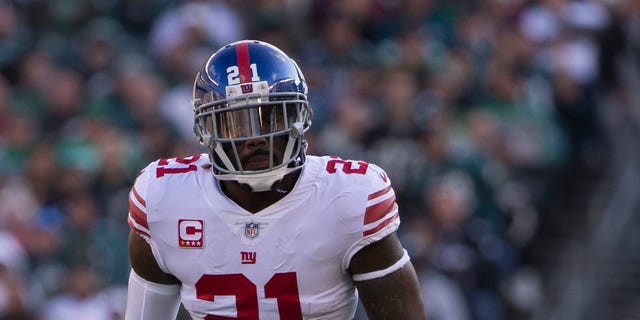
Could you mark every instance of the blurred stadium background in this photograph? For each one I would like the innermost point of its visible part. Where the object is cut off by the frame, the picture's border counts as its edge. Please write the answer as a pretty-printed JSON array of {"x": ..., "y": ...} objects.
[{"x": 509, "y": 128}]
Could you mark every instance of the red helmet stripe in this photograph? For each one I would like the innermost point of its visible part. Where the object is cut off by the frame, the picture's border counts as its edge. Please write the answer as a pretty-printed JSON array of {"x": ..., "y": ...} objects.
[{"x": 242, "y": 51}]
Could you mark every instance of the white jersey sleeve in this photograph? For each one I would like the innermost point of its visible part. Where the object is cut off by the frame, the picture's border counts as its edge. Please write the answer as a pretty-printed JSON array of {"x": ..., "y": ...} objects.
[
  {"x": 140, "y": 216},
  {"x": 381, "y": 216},
  {"x": 137, "y": 205}
]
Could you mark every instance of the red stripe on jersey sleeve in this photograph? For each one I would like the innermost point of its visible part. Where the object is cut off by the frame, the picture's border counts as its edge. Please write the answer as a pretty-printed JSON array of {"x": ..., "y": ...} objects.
[
  {"x": 381, "y": 225},
  {"x": 137, "y": 214},
  {"x": 379, "y": 193},
  {"x": 133, "y": 227},
  {"x": 379, "y": 210},
  {"x": 135, "y": 193}
]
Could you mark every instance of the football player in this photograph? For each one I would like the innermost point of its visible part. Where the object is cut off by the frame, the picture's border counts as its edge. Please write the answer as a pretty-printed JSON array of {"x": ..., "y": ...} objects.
[{"x": 255, "y": 228}]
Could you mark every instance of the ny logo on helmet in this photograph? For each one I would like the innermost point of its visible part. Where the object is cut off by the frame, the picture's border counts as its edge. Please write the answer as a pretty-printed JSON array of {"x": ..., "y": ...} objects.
[{"x": 246, "y": 88}]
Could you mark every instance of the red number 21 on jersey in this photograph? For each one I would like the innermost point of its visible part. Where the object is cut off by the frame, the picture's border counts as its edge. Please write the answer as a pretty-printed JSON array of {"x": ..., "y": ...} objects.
[
  {"x": 347, "y": 166},
  {"x": 282, "y": 286},
  {"x": 162, "y": 168}
]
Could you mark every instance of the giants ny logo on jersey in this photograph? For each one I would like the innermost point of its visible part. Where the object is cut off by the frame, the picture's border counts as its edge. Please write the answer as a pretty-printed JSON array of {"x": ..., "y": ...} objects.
[
  {"x": 190, "y": 233},
  {"x": 247, "y": 257}
]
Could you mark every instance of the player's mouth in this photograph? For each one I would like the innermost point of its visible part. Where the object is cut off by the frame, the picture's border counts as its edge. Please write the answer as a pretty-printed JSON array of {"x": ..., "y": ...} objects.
[{"x": 256, "y": 161}]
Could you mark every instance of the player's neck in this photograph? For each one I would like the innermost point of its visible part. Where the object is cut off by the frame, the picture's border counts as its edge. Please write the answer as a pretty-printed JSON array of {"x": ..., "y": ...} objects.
[{"x": 253, "y": 202}]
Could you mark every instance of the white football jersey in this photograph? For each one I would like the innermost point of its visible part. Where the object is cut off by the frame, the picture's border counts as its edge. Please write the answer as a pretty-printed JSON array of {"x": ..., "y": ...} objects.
[{"x": 287, "y": 261}]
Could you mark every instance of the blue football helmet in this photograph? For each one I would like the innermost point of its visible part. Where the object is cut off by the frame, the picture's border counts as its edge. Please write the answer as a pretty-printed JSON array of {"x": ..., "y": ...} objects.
[{"x": 251, "y": 90}]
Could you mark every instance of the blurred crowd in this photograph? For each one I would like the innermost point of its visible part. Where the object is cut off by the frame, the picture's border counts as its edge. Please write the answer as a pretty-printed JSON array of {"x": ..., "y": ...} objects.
[{"x": 471, "y": 106}]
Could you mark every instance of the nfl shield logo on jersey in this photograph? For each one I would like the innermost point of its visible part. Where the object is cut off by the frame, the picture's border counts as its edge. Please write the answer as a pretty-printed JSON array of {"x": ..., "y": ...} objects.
[{"x": 251, "y": 230}]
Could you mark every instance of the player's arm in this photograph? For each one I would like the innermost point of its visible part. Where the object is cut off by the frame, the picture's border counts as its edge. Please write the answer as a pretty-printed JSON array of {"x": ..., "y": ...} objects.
[
  {"x": 387, "y": 282},
  {"x": 152, "y": 294},
  {"x": 144, "y": 263}
]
